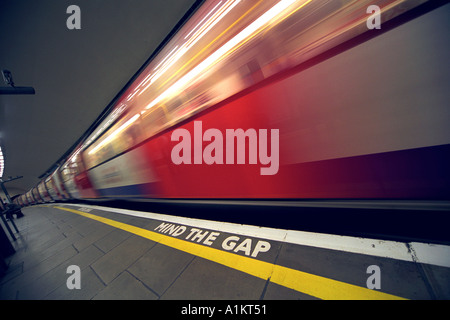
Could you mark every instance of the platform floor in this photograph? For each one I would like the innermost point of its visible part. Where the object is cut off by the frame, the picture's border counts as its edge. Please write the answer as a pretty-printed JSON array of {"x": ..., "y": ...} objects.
[{"x": 124, "y": 254}]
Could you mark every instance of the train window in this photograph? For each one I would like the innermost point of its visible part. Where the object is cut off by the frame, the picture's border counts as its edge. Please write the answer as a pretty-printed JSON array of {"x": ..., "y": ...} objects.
[
  {"x": 154, "y": 120},
  {"x": 120, "y": 137},
  {"x": 66, "y": 173},
  {"x": 50, "y": 187},
  {"x": 127, "y": 139}
]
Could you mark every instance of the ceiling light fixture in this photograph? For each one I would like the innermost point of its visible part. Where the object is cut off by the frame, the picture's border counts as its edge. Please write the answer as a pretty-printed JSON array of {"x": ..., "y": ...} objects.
[{"x": 2, "y": 163}]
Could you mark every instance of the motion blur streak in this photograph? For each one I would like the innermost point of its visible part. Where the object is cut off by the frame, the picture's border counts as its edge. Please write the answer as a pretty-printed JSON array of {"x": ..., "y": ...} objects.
[{"x": 360, "y": 113}]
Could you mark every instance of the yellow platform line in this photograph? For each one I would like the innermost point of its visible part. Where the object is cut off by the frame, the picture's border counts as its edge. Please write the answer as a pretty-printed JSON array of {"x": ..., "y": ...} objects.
[{"x": 307, "y": 283}]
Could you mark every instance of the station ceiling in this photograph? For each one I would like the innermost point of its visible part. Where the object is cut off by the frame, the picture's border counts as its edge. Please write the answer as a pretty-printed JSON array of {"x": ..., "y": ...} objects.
[{"x": 76, "y": 73}]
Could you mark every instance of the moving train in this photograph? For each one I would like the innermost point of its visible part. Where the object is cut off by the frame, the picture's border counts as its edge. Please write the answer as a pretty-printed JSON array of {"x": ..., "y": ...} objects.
[{"x": 287, "y": 99}]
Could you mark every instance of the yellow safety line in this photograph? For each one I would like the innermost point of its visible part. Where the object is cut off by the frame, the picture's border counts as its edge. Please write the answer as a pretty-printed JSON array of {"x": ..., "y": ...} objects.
[{"x": 307, "y": 283}]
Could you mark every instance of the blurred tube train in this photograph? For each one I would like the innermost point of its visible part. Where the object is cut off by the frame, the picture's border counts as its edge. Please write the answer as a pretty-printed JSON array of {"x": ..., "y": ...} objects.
[{"x": 360, "y": 113}]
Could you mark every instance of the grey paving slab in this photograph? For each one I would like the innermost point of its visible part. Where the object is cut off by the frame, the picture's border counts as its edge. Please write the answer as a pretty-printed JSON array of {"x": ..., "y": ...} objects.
[
  {"x": 398, "y": 277},
  {"x": 438, "y": 280},
  {"x": 204, "y": 280},
  {"x": 42, "y": 235},
  {"x": 112, "y": 239},
  {"x": 91, "y": 285},
  {"x": 52, "y": 238},
  {"x": 13, "y": 271},
  {"x": 58, "y": 276},
  {"x": 276, "y": 292},
  {"x": 99, "y": 230},
  {"x": 10, "y": 289},
  {"x": 34, "y": 256},
  {"x": 160, "y": 267},
  {"x": 84, "y": 226},
  {"x": 121, "y": 257},
  {"x": 40, "y": 248},
  {"x": 126, "y": 287}
]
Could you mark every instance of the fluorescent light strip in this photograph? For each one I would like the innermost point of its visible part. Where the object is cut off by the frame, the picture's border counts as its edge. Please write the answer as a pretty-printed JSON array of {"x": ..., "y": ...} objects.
[
  {"x": 222, "y": 12},
  {"x": 213, "y": 58},
  {"x": 198, "y": 24},
  {"x": 170, "y": 53},
  {"x": 116, "y": 132},
  {"x": 112, "y": 117},
  {"x": 227, "y": 47},
  {"x": 193, "y": 40},
  {"x": 151, "y": 76},
  {"x": 2, "y": 163}
]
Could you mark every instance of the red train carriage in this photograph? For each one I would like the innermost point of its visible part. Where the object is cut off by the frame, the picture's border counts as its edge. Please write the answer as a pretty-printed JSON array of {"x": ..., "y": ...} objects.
[
  {"x": 283, "y": 99},
  {"x": 235, "y": 112}
]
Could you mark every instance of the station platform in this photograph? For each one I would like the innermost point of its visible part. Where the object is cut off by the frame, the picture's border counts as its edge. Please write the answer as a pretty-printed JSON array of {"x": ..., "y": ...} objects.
[{"x": 72, "y": 251}]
